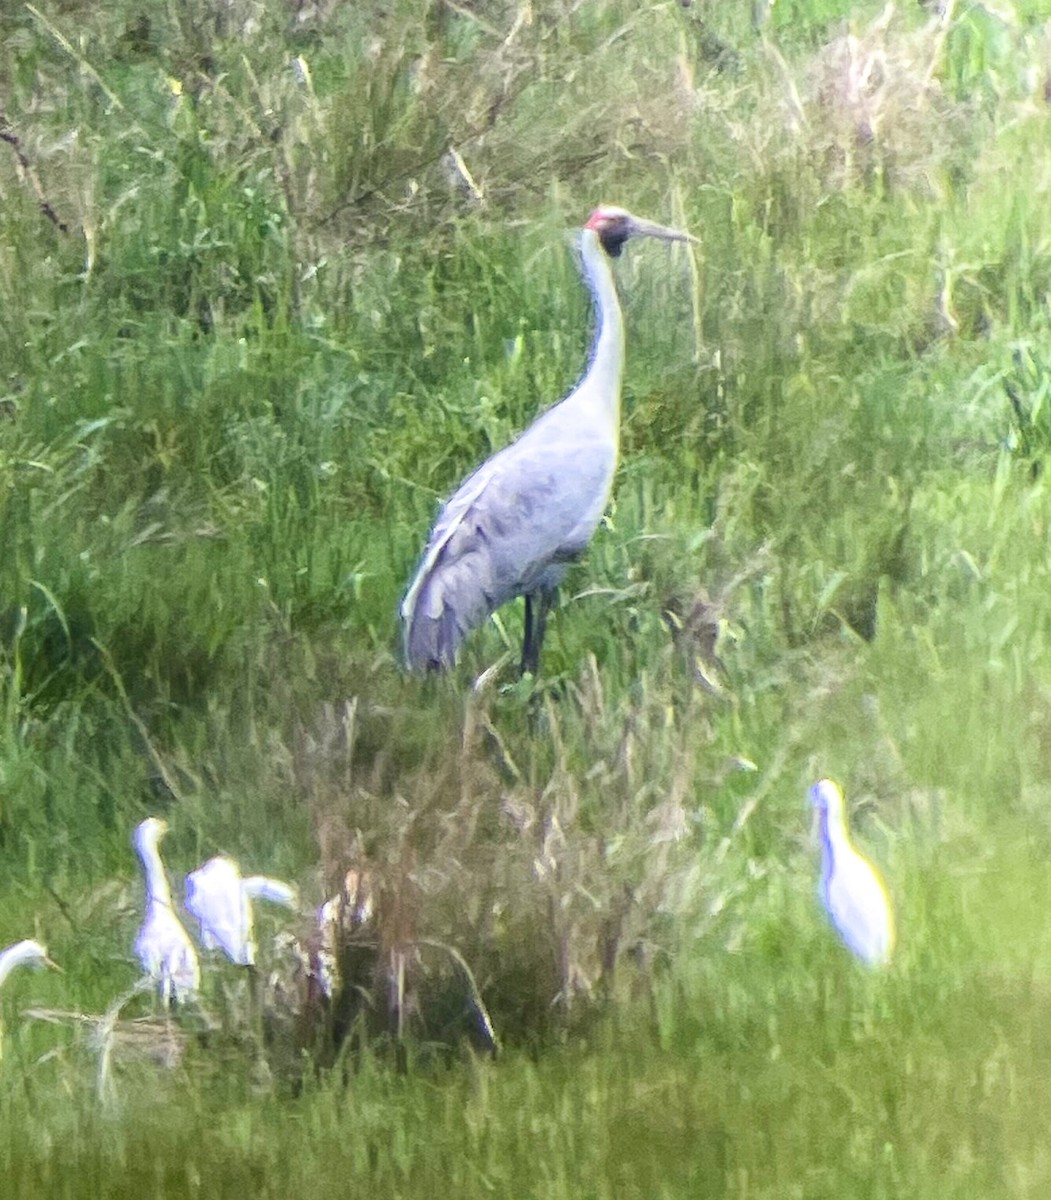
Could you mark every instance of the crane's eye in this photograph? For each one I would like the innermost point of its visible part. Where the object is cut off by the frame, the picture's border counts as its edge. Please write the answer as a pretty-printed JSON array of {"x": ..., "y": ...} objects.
[{"x": 613, "y": 233}]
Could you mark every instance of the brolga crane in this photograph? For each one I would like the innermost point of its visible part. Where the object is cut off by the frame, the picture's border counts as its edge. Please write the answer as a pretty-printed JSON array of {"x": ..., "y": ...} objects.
[
  {"x": 513, "y": 526},
  {"x": 851, "y": 890}
]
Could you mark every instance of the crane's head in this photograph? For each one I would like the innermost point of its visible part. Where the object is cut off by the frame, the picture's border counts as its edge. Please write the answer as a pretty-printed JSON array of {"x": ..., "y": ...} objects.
[{"x": 615, "y": 225}]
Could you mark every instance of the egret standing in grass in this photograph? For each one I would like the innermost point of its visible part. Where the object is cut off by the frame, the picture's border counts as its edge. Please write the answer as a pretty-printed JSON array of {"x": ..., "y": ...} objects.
[
  {"x": 513, "y": 526},
  {"x": 221, "y": 900},
  {"x": 163, "y": 946},
  {"x": 22, "y": 954},
  {"x": 851, "y": 889}
]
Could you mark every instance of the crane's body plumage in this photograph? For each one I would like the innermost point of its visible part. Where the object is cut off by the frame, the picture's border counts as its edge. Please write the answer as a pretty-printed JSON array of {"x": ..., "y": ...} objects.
[
  {"x": 851, "y": 890},
  {"x": 514, "y": 525},
  {"x": 162, "y": 945}
]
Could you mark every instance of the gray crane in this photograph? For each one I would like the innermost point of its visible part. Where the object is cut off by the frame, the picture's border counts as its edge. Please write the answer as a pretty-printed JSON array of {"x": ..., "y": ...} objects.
[{"x": 514, "y": 524}]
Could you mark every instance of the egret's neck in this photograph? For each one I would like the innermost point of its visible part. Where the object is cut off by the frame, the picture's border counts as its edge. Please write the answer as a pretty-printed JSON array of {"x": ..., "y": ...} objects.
[
  {"x": 16, "y": 956},
  {"x": 607, "y": 354},
  {"x": 157, "y": 888},
  {"x": 834, "y": 839}
]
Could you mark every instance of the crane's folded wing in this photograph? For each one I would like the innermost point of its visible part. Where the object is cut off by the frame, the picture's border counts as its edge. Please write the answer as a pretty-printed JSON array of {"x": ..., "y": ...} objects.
[{"x": 509, "y": 529}]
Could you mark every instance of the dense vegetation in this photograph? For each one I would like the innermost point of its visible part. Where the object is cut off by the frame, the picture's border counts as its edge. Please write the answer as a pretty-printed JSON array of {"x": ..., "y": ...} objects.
[{"x": 273, "y": 277}]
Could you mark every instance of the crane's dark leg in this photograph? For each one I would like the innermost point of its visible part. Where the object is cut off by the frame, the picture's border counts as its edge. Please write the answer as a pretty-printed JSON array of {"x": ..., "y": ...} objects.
[
  {"x": 537, "y": 606},
  {"x": 529, "y": 653}
]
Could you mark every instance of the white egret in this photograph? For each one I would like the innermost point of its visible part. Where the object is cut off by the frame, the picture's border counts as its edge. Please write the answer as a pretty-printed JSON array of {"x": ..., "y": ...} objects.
[
  {"x": 221, "y": 900},
  {"x": 276, "y": 891},
  {"x": 851, "y": 889},
  {"x": 513, "y": 526},
  {"x": 163, "y": 946},
  {"x": 24, "y": 954}
]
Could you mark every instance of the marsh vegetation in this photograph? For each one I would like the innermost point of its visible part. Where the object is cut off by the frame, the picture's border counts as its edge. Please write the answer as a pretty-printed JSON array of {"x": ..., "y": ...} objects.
[{"x": 273, "y": 277}]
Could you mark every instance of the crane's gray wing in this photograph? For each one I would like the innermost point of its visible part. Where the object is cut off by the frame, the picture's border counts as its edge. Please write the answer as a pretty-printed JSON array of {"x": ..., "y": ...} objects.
[{"x": 509, "y": 529}]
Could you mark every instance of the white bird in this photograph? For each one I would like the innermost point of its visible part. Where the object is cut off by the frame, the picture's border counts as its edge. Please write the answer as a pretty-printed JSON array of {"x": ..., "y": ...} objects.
[
  {"x": 221, "y": 900},
  {"x": 276, "y": 891},
  {"x": 514, "y": 525},
  {"x": 23, "y": 954},
  {"x": 163, "y": 946},
  {"x": 851, "y": 889},
  {"x": 28, "y": 953}
]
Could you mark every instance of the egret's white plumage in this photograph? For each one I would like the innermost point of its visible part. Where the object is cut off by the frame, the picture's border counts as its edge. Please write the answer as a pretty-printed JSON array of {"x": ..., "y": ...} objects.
[
  {"x": 213, "y": 895},
  {"x": 513, "y": 525},
  {"x": 24, "y": 954},
  {"x": 162, "y": 945},
  {"x": 221, "y": 900},
  {"x": 275, "y": 891},
  {"x": 851, "y": 889}
]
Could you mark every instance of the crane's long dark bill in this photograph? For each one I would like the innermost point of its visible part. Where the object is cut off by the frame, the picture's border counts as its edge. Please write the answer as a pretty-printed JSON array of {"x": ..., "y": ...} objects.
[{"x": 643, "y": 228}]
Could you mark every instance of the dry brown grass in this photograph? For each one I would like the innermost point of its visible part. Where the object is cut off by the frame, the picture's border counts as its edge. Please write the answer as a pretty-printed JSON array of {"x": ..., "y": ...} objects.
[{"x": 501, "y": 896}]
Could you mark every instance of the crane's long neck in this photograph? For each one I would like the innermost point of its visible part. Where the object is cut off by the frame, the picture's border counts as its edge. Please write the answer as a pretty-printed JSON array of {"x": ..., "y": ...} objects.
[
  {"x": 607, "y": 354},
  {"x": 157, "y": 888},
  {"x": 15, "y": 956}
]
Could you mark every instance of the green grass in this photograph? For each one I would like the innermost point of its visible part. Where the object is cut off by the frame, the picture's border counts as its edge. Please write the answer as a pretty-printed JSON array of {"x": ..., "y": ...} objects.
[{"x": 255, "y": 322}]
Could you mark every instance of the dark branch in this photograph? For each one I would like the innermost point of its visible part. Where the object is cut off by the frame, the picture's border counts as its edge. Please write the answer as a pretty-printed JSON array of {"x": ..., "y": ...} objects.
[{"x": 8, "y": 135}]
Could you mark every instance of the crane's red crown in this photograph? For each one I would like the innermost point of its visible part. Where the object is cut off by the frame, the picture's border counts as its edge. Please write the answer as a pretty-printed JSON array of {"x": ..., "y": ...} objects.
[
  {"x": 613, "y": 225},
  {"x": 606, "y": 213}
]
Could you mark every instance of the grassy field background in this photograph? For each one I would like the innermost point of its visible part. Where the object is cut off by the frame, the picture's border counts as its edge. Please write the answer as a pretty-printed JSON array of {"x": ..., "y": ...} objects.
[{"x": 273, "y": 277}]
